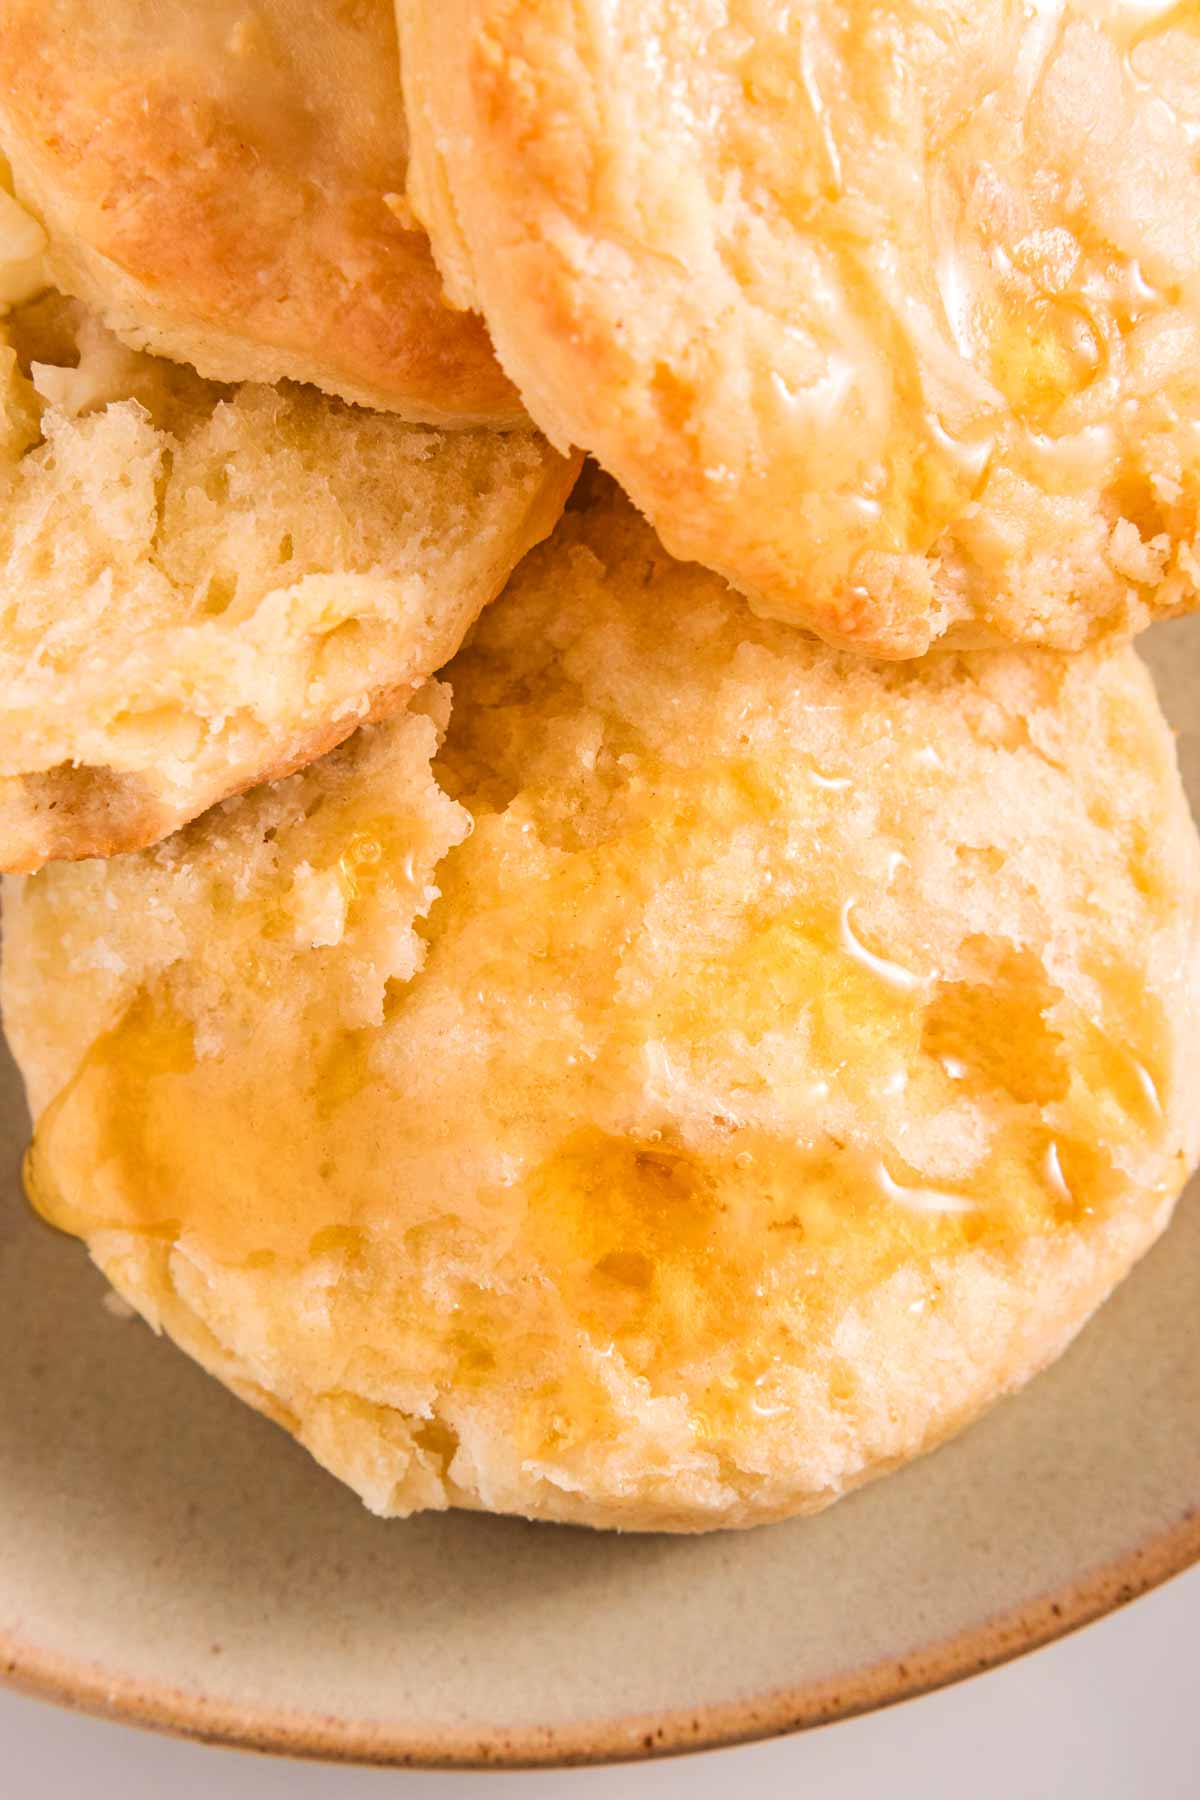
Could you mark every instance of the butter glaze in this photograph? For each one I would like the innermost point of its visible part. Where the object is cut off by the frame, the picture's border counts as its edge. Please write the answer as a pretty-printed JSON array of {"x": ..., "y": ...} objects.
[{"x": 891, "y": 313}]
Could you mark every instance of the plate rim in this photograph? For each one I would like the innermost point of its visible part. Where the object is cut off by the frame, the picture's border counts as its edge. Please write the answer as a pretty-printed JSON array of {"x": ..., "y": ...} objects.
[{"x": 173, "y": 1711}]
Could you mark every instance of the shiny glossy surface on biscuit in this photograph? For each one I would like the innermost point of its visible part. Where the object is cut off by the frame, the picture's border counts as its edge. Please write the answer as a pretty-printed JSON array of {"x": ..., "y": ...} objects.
[{"x": 887, "y": 312}]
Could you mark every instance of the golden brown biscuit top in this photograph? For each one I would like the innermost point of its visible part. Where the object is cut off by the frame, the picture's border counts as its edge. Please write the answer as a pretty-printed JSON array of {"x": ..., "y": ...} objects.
[
  {"x": 225, "y": 181},
  {"x": 887, "y": 311}
]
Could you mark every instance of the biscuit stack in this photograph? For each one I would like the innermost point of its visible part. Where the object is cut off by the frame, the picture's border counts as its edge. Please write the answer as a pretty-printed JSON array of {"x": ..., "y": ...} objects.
[{"x": 662, "y": 1045}]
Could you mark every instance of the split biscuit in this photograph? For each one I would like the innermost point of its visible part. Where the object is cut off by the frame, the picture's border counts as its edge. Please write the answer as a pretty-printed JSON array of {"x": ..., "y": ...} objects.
[{"x": 707, "y": 1080}]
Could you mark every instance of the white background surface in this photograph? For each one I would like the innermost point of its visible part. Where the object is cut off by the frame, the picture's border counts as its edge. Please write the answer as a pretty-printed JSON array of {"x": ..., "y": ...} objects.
[{"x": 1112, "y": 1713}]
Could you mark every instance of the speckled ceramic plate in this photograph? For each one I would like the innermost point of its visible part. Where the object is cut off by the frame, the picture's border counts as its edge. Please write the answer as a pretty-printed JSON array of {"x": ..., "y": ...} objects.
[{"x": 169, "y": 1557}]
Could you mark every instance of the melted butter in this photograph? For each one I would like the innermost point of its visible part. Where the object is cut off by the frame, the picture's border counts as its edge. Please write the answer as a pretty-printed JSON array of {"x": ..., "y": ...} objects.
[
  {"x": 920, "y": 1197},
  {"x": 832, "y": 784},
  {"x": 1056, "y": 1181},
  {"x": 358, "y": 862},
  {"x": 646, "y": 1248},
  {"x": 343, "y": 1069},
  {"x": 89, "y": 1171},
  {"x": 937, "y": 350},
  {"x": 128, "y": 1145},
  {"x": 1118, "y": 1056},
  {"x": 766, "y": 1399},
  {"x": 1151, "y": 1097},
  {"x": 657, "y": 1251},
  {"x": 861, "y": 1012},
  {"x": 893, "y": 974},
  {"x": 581, "y": 1247},
  {"x": 385, "y": 848},
  {"x": 1044, "y": 351},
  {"x": 995, "y": 1030},
  {"x": 970, "y": 456}
]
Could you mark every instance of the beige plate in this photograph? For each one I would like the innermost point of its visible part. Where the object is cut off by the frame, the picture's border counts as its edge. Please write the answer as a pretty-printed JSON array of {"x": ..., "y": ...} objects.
[{"x": 169, "y": 1557}]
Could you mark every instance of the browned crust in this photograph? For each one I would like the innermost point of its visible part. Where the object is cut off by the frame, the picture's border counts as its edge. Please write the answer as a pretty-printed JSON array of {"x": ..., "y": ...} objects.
[
  {"x": 135, "y": 816},
  {"x": 85, "y": 1687},
  {"x": 197, "y": 242}
]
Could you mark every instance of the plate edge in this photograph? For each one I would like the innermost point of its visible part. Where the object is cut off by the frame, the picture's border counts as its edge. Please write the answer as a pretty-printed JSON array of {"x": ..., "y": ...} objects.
[{"x": 184, "y": 1713}]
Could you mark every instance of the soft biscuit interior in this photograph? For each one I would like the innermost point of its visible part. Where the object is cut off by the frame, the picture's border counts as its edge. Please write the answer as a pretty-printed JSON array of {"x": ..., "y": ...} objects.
[
  {"x": 581, "y": 1086},
  {"x": 201, "y": 587}
]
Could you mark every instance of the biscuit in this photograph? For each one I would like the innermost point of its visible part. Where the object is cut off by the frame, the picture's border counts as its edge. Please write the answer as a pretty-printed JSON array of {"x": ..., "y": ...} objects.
[
  {"x": 23, "y": 270},
  {"x": 223, "y": 183},
  {"x": 724, "y": 1069},
  {"x": 886, "y": 311},
  {"x": 201, "y": 588}
]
